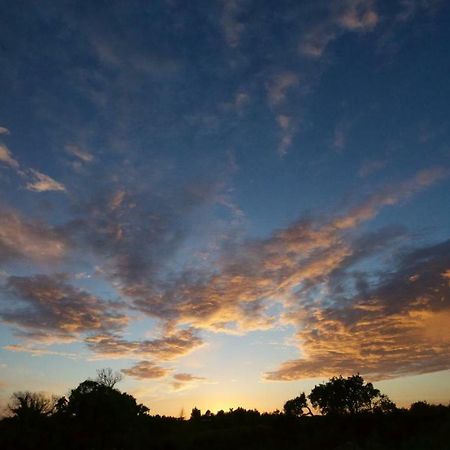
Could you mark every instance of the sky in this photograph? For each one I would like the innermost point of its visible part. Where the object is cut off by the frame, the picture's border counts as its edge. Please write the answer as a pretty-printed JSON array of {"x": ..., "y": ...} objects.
[{"x": 226, "y": 201}]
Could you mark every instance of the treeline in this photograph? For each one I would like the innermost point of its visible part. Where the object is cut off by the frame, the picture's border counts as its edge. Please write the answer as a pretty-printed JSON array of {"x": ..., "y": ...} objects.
[{"x": 343, "y": 413}]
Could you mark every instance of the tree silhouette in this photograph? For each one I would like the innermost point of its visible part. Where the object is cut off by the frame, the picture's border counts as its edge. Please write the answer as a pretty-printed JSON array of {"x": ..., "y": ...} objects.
[
  {"x": 296, "y": 406},
  {"x": 108, "y": 378},
  {"x": 29, "y": 406},
  {"x": 94, "y": 402},
  {"x": 347, "y": 396},
  {"x": 196, "y": 414}
]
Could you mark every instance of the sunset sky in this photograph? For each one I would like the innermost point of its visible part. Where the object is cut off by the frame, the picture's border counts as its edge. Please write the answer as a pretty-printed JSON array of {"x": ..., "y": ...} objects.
[{"x": 228, "y": 201}]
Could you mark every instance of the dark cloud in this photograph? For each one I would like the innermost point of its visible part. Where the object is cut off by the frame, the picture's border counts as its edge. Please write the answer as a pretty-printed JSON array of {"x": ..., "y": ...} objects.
[{"x": 46, "y": 307}]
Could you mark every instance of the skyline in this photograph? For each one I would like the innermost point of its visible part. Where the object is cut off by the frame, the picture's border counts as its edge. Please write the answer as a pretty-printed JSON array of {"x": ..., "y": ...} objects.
[{"x": 228, "y": 203}]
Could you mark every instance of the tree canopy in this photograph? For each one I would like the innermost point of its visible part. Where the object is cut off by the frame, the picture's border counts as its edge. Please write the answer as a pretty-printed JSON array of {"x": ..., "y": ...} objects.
[
  {"x": 297, "y": 406},
  {"x": 348, "y": 396}
]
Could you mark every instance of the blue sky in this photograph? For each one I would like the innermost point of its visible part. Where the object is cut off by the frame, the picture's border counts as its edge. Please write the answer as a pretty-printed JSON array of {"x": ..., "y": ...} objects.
[{"x": 225, "y": 200}]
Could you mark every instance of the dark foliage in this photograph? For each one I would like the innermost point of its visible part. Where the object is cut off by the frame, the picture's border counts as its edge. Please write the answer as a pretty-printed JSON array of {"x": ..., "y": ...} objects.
[
  {"x": 348, "y": 396},
  {"x": 96, "y": 416}
]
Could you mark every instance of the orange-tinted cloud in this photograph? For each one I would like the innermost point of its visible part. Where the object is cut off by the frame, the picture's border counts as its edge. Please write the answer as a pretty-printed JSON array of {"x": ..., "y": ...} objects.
[
  {"x": 172, "y": 344},
  {"x": 236, "y": 296},
  {"x": 144, "y": 370},
  {"x": 48, "y": 308},
  {"x": 43, "y": 183},
  {"x": 399, "y": 326},
  {"x": 185, "y": 381},
  {"x": 25, "y": 239}
]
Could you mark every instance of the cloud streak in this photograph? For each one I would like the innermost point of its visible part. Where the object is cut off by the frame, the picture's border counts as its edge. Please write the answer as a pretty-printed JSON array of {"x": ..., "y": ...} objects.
[
  {"x": 43, "y": 183},
  {"x": 7, "y": 158}
]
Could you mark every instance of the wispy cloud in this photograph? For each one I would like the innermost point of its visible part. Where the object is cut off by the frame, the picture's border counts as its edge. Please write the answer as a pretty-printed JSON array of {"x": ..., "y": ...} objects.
[
  {"x": 43, "y": 183},
  {"x": 4, "y": 130},
  {"x": 288, "y": 127},
  {"x": 80, "y": 153},
  {"x": 343, "y": 16},
  {"x": 232, "y": 26},
  {"x": 279, "y": 85},
  {"x": 39, "y": 182},
  {"x": 235, "y": 297},
  {"x": 22, "y": 239},
  {"x": 7, "y": 158}
]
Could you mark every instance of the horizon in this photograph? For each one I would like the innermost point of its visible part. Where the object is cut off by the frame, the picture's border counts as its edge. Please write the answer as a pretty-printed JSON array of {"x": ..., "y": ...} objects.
[{"x": 227, "y": 203}]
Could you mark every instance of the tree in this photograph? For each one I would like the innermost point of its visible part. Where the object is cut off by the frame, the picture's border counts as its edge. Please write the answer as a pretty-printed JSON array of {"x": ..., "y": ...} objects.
[
  {"x": 347, "y": 396},
  {"x": 95, "y": 402},
  {"x": 29, "y": 406},
  {"x": 384, "y": 405},
  {"x": 108, "y": 378},
  {"x": 196, "y": 414},
  {"x": 296, "y": 406}
]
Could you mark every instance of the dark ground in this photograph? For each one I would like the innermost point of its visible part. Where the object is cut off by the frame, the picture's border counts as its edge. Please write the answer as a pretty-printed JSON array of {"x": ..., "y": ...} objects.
[{"x": 240, "y": 429}]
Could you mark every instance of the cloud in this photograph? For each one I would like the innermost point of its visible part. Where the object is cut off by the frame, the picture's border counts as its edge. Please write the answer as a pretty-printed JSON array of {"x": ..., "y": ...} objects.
[
  {"x": 42, "y": 183},
  {"x": 279, "y": 85},
  {"x": 410, "y": 8},
  {"x": 232, "y": 27},
  {"x": 144, "y": 370},
  {"x": 288, "y": 130},
  {"x": 4, "y": 130},
  {"x": 357, "y": 15},
  {"x": 341, "y": 132},
  {"x": 343, "y": 16},
  {"x": 22, "y": 239},
  {"x": 235, "y": 295},
  {"x": 277, "y": 89},
  {"x": 173, "y": 344},
  {"x": 47, "y": 308},
  {"x": 39, "y": 181},
  {"x": 398, "y": 326},
  {"x": 6, "y": 157},
  {"x": 41, "y": 350},
  {"x": 80, "y": 153},
  {"x": 185, "y": 381}
]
